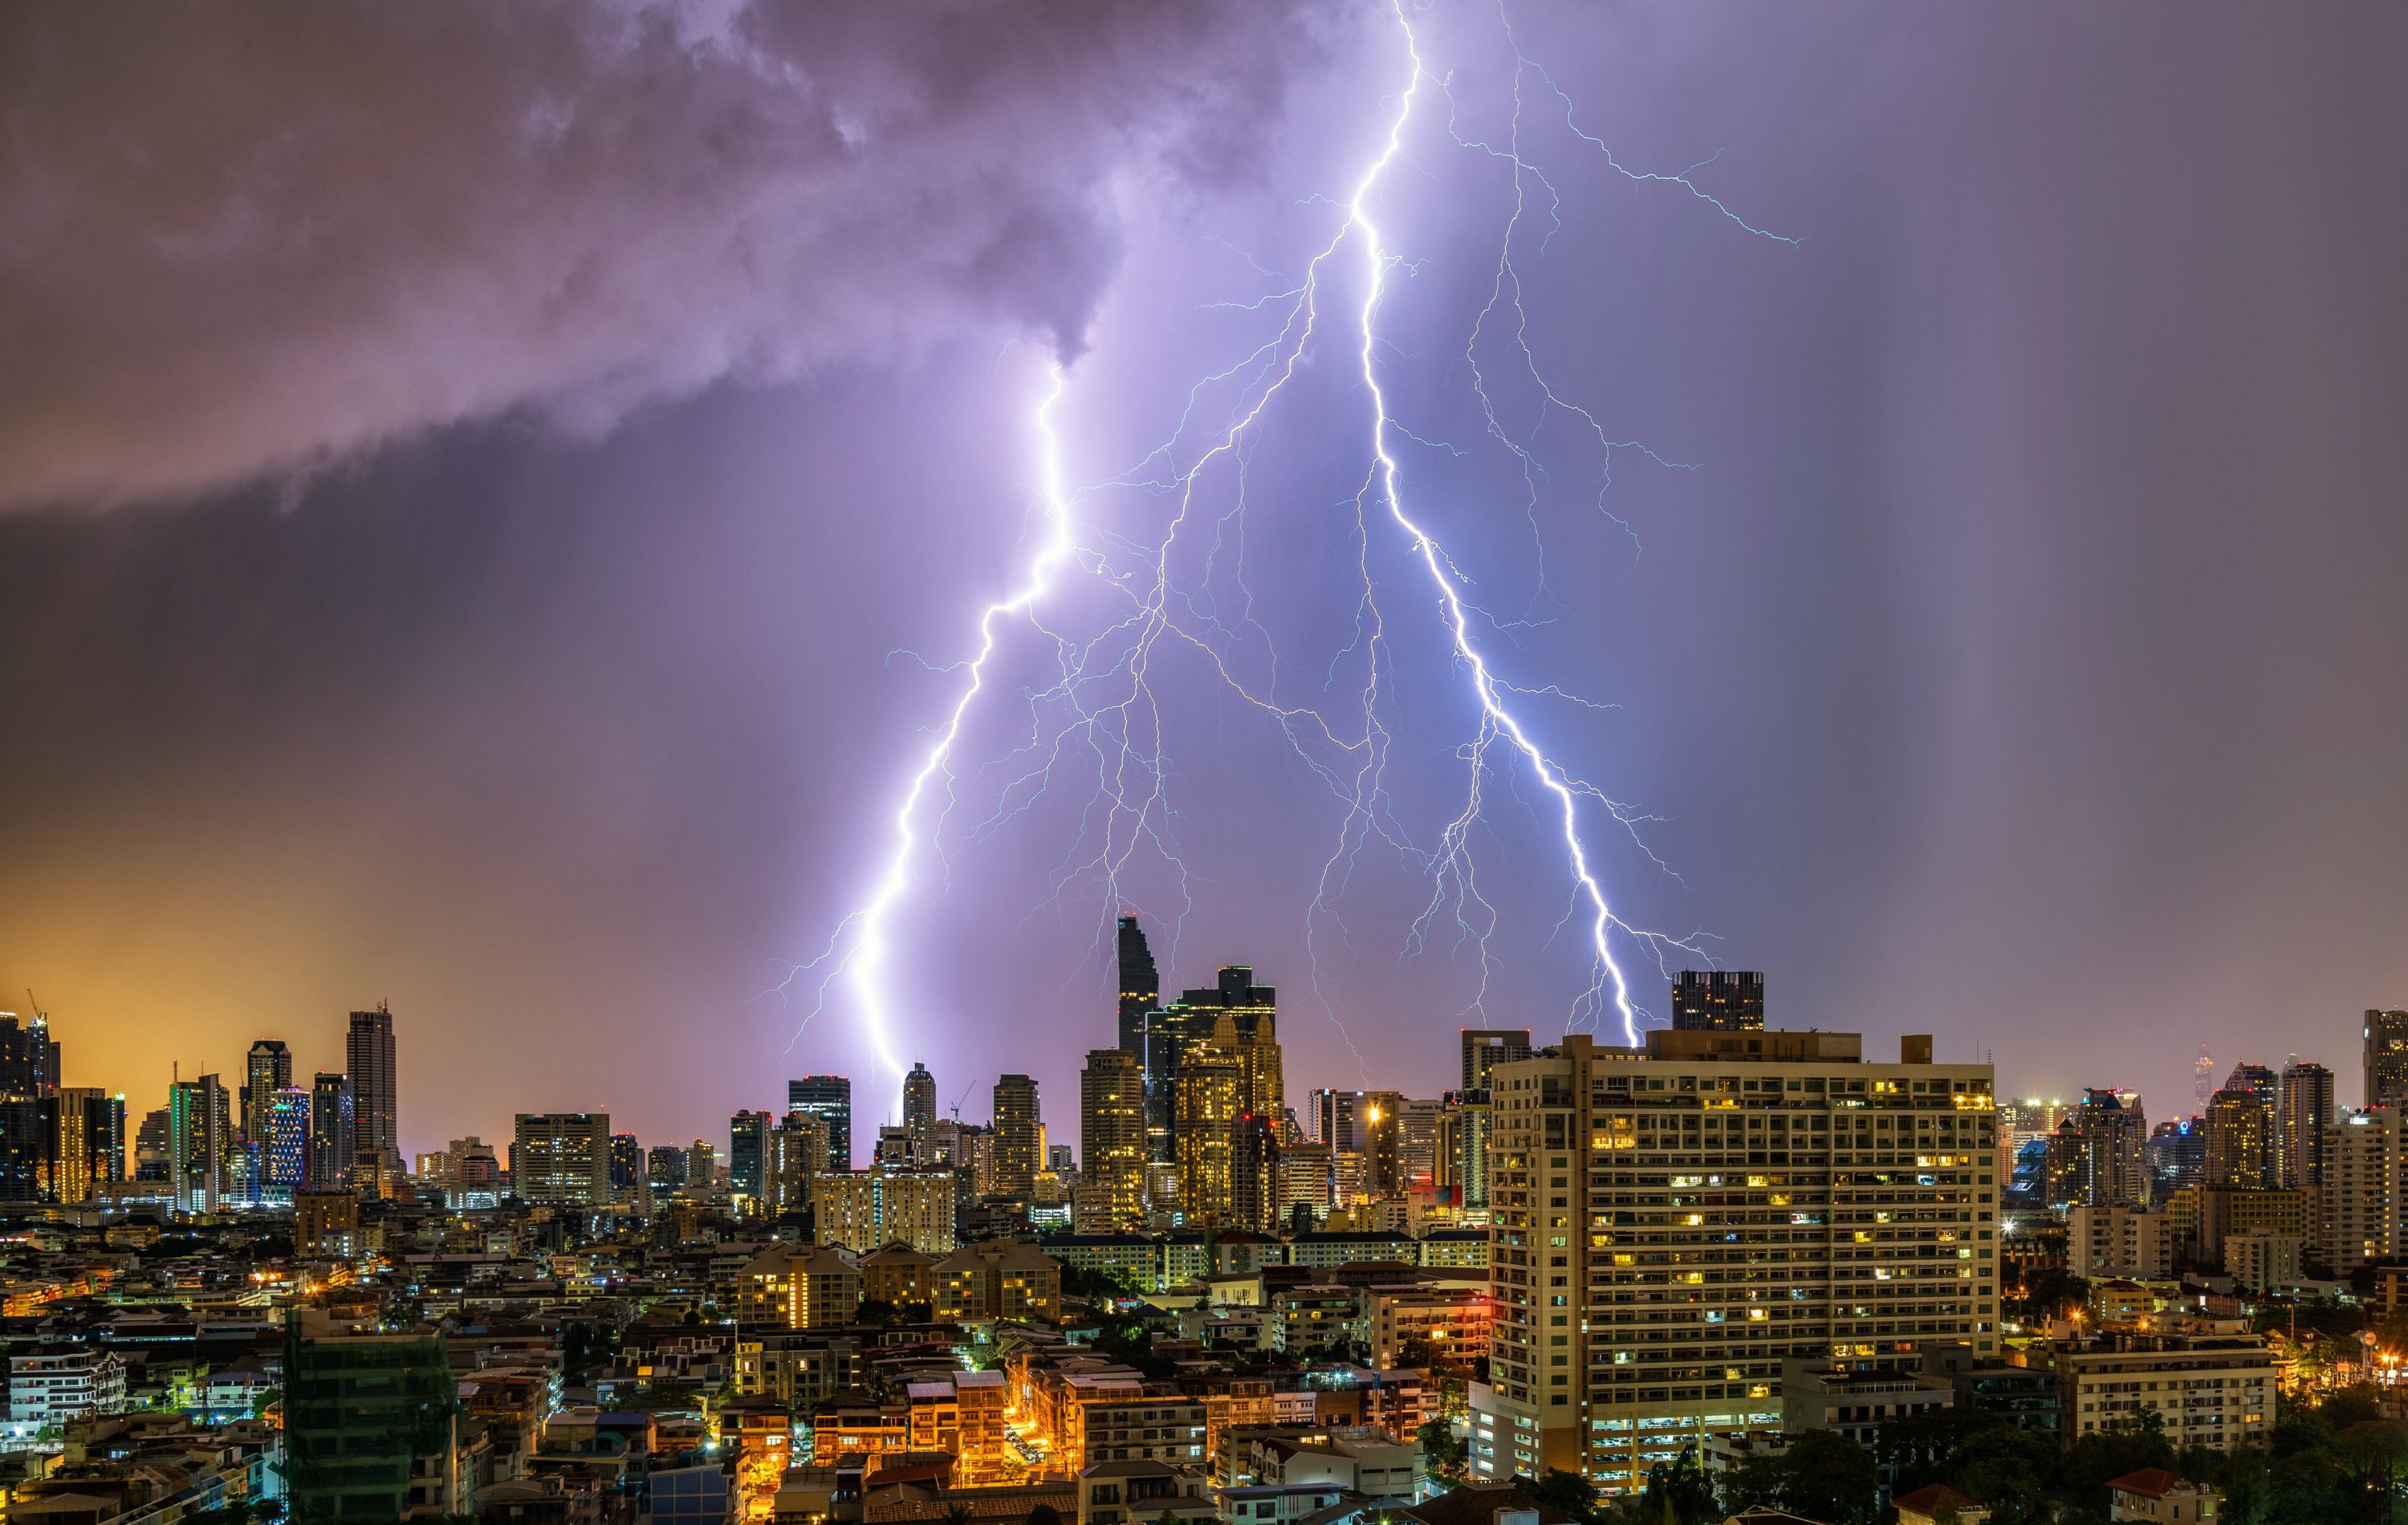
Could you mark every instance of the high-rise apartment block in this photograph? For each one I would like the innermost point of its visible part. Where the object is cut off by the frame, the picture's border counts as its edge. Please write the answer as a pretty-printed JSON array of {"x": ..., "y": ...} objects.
[
  {"x": 2362, "y": 1202},
  {"x": 1017, "y": 1132},
  {"x": 2238, "y": 1133},
  {"x": 828, "y": 1098},
  {"x": 1718, "y": 1000},
  {"x": 864, "y": 1210},
  {"x": 564, "y": 1158},
  {"x": 1110, "y": 1196},
  {"x": 1671, "y": 1223}
]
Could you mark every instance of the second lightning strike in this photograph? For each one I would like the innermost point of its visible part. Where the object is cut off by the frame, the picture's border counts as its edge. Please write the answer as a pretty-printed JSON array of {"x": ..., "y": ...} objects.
[{"x": 856, "y": 953}]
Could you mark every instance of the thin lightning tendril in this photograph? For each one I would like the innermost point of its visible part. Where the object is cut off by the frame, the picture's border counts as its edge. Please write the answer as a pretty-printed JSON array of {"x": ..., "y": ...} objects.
[{"x": 1095, "y": 718}]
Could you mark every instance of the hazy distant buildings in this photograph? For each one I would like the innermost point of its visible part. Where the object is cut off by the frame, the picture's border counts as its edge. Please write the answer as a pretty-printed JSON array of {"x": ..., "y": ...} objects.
[
  {"x": 1718, "y": 1000},
  {"x": 828, "y": 1098}
]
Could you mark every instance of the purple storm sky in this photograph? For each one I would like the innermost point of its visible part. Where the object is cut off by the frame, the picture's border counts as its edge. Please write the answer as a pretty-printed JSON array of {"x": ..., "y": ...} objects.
[{"x": 466, "y": 477}]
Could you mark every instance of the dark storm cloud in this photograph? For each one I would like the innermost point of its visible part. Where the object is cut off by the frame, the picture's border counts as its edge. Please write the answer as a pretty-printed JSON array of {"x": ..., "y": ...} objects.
[{"x": 242, "y": 239}]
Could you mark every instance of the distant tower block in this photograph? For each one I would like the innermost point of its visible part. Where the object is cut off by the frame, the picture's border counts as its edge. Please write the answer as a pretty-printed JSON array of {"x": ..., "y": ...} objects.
[{"x": 1722, "y": 1000}]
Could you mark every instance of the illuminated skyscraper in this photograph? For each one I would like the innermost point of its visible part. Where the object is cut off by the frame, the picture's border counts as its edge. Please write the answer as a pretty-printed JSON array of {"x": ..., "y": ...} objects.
[
  {"x": 267, "y": 1070},
  {"x": 1209, "y": 1099},
  {"x": 284, "y": 1165},
  {"x": 1254, "y": 1174},
  {"x": 798, "y": 1152},
  {"x": 200, "y": 1134},
  {"x": 919, "y": 1113},
  {"x": 627, "y": 1182},
  {"x": 747, "y": 1155},
  {"x": 2115, "y": 1137},
  {"x": 376, "y": 1092},
  {"x": 1718, "y": 1000},
  {"x": 1110, "y": 1196},
  {"x": 665, "y": 1166},
  {"x": 331, "y": 1136},
  {"x": 2237, "y": 1131},
  {"x": 1384, "y": 1147},
  {"x": 1017, "y": 1136},
  {"x": 1337, "y": 1120},
  {"x": 828, "y": 1098},
  {"x": 2387, "y": 1058},
  {"x": 2300, "y": 1123}
]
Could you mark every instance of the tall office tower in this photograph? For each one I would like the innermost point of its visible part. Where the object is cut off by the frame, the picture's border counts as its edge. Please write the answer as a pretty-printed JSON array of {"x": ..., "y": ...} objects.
[
  {"x": 1486, "y": 1048},
  {"x": 2300, "y": 1123},
  {"x": 1140, "y": 987},
  {"x": 747, "y": 1155},
  {"x": 2236, "y": 1140},
  {"x": 701, "y": 1168},
  {"x": 664, "y": 1168},
  {"x": 798, "y": 1151},
  {"x": 1417, "y": 1142},
  {"x": 200, "y": 1132},
  {"x": 828, "y": 1098},
  {"x": 267, "y": 1070},
  {"x": 1110, "y": 1198},
  {"x": 332, "y": 1137},
  {"x": 367, "y": 1057},
  {"x": 1337, "y": 1120},
  {"x": 1383, "y": 1142},
  {"x": 2203, "y": 1081},
  {"x": 104, "y": 1132},
  {"x": 2258, "y": 1081},
  {"x": 1016, "y": 1130},
  {"x": 29, "y": 1063},
  {"x": 2387, "y": 1058},
  {"x": 2115, "y": 1134},
  {"x": 1467, "y": 1155},
  {"x": 627, "y": 1182},
  {"x": 1254, "y": 1174},
  {"x": 919, "y": 1113},
  {"x": 1718, "y": 1000},
  {"x": 564, "y": 1158},
  {"x": 1796, "y": 1199},
  {"x": 1208, "y": 1099},
  {"x": 2177, "y": 1155},
  {"x": 284, "y": 1167},
  {"x": 26, "y": 1150},
  {"x": 2364, "y": 1154}
]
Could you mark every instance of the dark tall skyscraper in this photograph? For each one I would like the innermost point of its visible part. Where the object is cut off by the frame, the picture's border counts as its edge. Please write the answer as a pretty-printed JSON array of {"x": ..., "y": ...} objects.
[
  {"x": 748, "y": 1151},
  {"x": 2300, "y": 1122},
  {"x": 1718, "y": 1000},
  {"x": 29, "y": 1061},
  {"x": 1486, "y": 1048},
  {"x": 627, "y": 1167},
  {"x": 919, "y": 1113},
  {"x": 828, "y": 1098},
  {"x": 368, "y": 1053},
  {"x": 2387, "y": 1058},
  {"x": 332, "y": 1137},
  {"x": 1140, "y": 987},
  {"x": 267, "y": 1069}
]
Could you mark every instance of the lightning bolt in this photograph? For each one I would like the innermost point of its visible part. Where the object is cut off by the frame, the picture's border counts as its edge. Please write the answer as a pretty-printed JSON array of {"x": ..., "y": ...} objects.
[{"x": 1097, "y": 716}]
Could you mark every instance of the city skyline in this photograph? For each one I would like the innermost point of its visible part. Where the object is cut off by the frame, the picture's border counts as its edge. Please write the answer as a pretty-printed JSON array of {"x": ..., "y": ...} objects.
[{"x": 538, "y": 731}]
